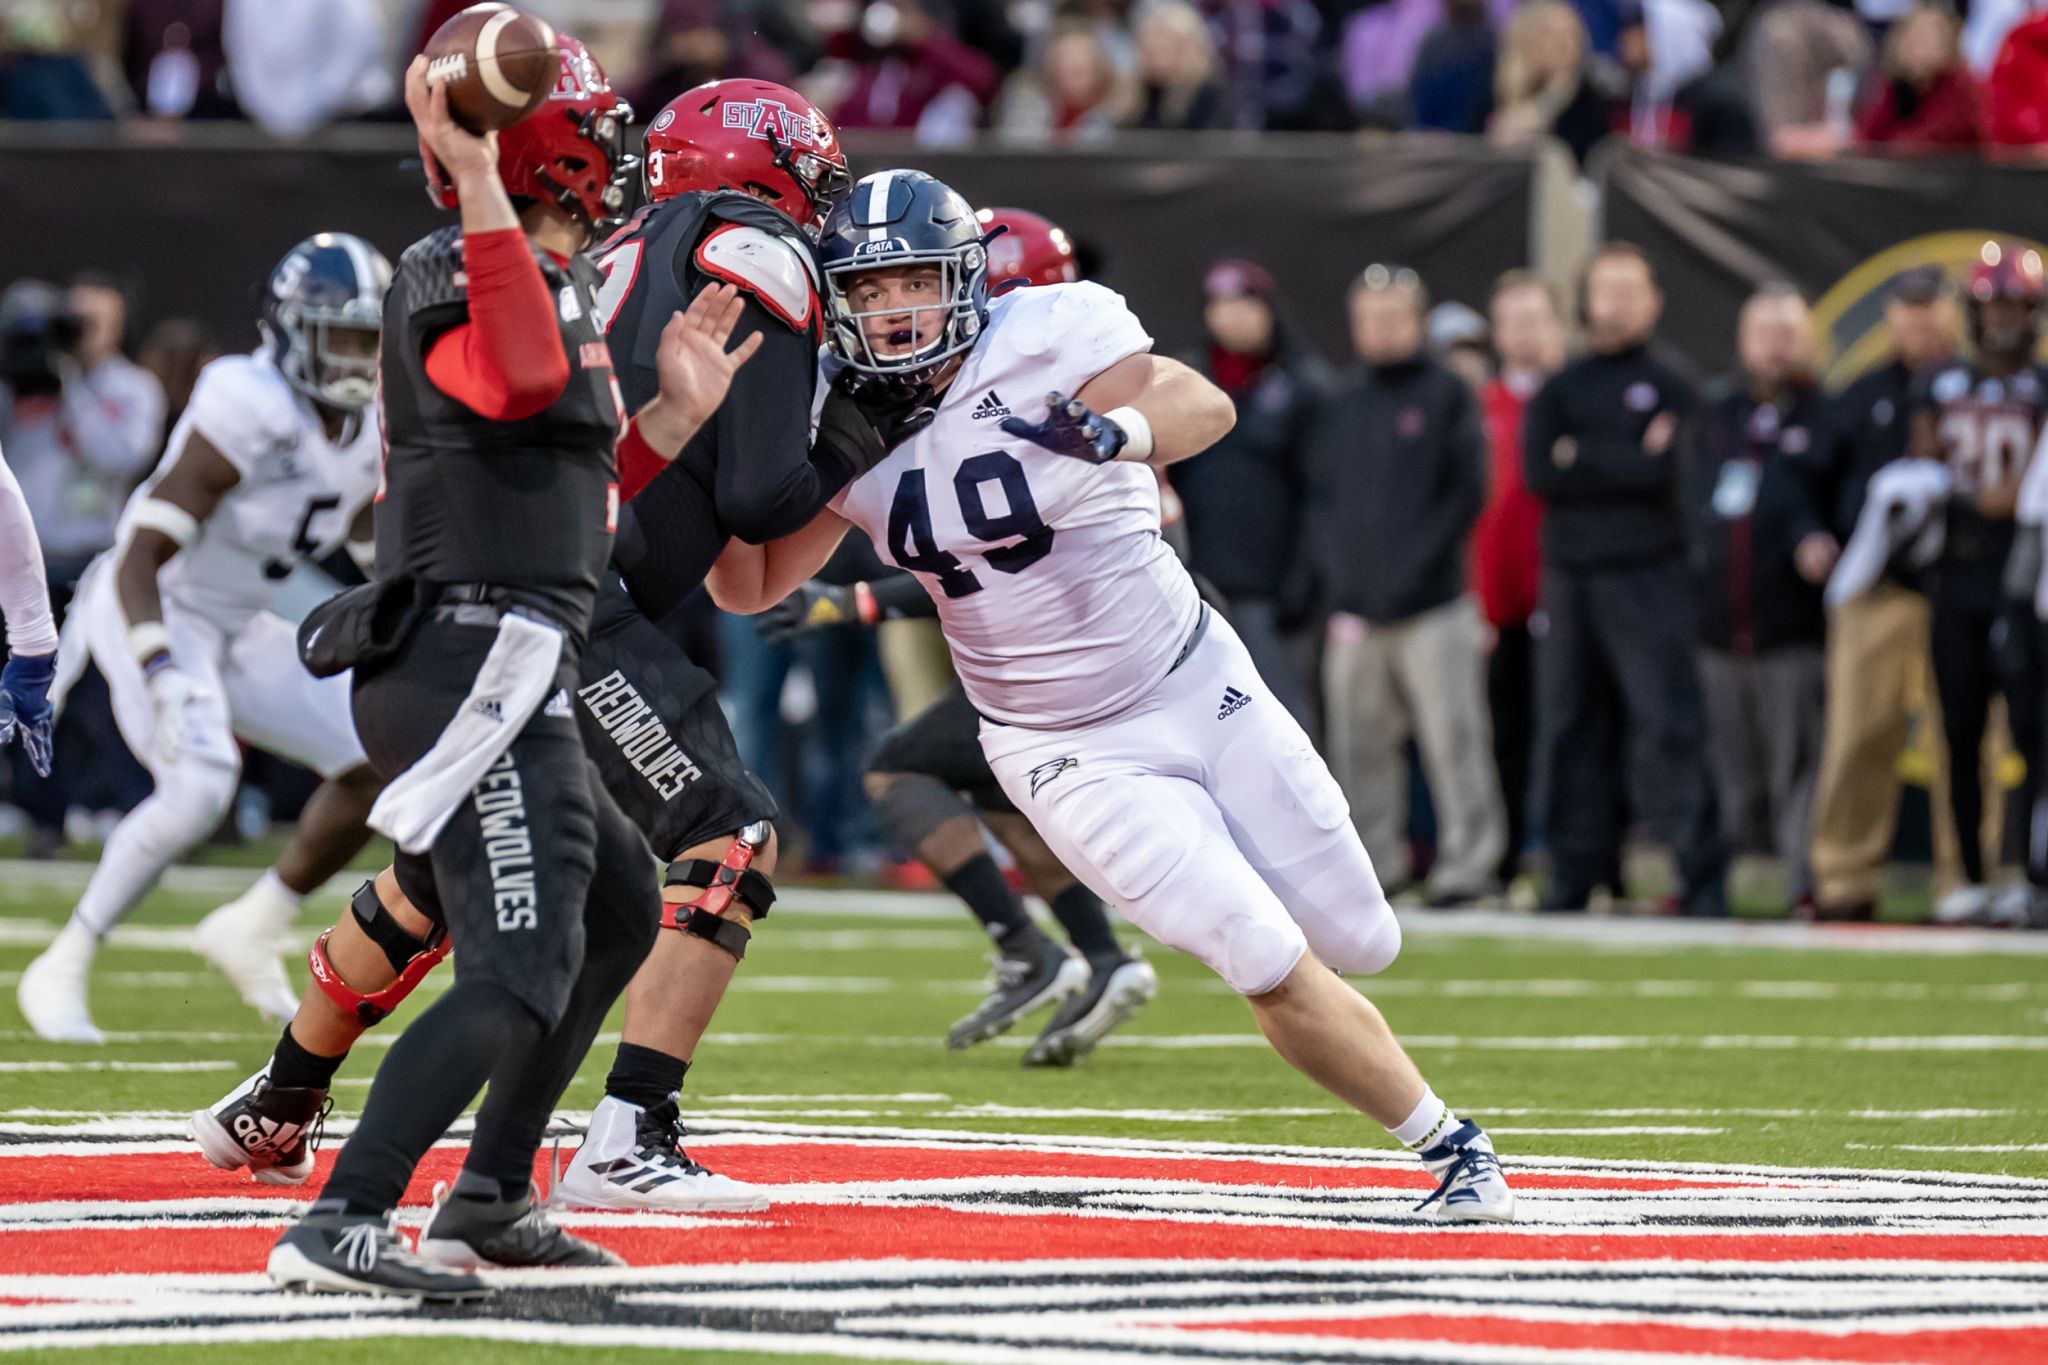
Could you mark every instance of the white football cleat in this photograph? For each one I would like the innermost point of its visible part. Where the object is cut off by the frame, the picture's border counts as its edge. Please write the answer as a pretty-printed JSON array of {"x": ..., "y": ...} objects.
[
  {"x": 244, "y": 941},
  {"x": 1966, "y": 904},
  {"x": 1470, "y": 1186},
  {"x": 52, "y": 989},
  {"x": 633, "y": 1158}
]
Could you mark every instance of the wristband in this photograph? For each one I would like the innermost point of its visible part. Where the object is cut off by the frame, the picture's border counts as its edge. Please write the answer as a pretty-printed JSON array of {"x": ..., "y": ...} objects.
[
  {"x": 147, "y": 639},
  {"x": 865, "y": 609},
  {"x": 1137, "y": 432}
]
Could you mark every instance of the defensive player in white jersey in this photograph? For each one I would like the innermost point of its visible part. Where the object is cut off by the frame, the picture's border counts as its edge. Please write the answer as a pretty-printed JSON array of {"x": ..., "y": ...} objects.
[
  {"x": 273, "y": 463},
  {"x": 1122, "y": 716}
]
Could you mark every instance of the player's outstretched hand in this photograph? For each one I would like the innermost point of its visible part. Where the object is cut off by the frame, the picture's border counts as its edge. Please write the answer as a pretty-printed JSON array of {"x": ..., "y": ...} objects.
[
  {"x": 811, "y": 606},
  {"x": 25, "y": 707},
  {"x": 443, "y": 141},
  {"x": 692, "y": 363},
  {"x": 1072, "y": 428}
]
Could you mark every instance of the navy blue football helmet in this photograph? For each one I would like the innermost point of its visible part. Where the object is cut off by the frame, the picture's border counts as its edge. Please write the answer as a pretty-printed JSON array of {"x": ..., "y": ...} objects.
[
  {"x": 903, "y": 218},
  {"x": 322, "y": 315}
]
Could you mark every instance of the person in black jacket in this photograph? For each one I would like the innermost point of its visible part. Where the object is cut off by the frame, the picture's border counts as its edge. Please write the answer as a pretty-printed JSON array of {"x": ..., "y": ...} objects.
[
  {"x": 1617, "y": 632},
  {"x": 1244, "y": 500},
  {"x": 1762, "y": 550},
  {"x": 1397, "y": 463}
]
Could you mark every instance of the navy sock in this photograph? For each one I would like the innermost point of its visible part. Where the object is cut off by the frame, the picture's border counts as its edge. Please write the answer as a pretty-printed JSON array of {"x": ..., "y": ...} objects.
[
  {"x": 294, "y": 1068},
  {"x": 644, "y": 1076},
  {"x": 1086, "y": 919},
  {"x": 979, "y": 882}
]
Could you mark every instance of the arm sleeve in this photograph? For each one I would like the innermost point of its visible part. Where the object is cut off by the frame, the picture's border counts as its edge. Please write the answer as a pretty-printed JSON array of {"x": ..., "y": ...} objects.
[
  {"x": 24, "y": 595},
  {"x": 506, "y": 362},
  {"x": 766, "y": 483}
]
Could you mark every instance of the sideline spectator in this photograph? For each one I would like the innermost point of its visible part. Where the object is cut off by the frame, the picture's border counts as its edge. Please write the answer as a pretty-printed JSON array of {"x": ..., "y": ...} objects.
[
  {"x": 901, "y": 68},
  {"x": 1762, "y": 549},
  {"x": 1457, "y": 337},
  {"x": 1791, "y": 54},
  {"x": 176, "y": 64},
  {"x": 1451, "y": 86},
  {"x": 1178, "y": 86},
  {"x": 2016, "y": 93},
  {"x": 1074, "y": 95},
  {"x": 42, "y": 75},
  {"x": 1245, "y": 500},
  {"x": 1528, "y": 333},
  {"x": 1617, "y": 672},
  {"x": 1382, "y": 46},
  {"x": 1397, "y": 463},
  {"x": 1543, "y": 84},
  {"x": 1878, "y": 650},
  {"x": 1928, "y": 100},
  {"x": 703, "y": 40},
  {"x": 1989, "y": 24},
  {"x": 1677, "y": 99},
  {"x": 1276, "y": 67},
  {"x": 298, "y": 65}
]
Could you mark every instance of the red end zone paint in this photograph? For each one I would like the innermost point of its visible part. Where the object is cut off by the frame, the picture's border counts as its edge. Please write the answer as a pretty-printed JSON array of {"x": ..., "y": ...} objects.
[{"x": 1975, "y": 1346}]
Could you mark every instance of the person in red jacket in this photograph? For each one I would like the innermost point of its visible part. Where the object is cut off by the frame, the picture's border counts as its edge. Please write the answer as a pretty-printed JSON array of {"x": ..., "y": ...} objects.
[
  {"x": 1528, "y": 334},
  {"x": 1928, "y": 100}
]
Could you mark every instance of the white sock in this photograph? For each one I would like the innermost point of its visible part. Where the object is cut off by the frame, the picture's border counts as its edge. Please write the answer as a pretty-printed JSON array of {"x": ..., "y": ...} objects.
[
  {"x": 1424, "y": 1127},
  {"x": 271, "y": 892}
]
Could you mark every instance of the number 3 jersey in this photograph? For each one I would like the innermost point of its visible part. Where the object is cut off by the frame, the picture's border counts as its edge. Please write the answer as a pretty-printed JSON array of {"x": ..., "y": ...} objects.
[
  {"x": 1061, "y": 602},
  {"x": 297, "y": 496}
]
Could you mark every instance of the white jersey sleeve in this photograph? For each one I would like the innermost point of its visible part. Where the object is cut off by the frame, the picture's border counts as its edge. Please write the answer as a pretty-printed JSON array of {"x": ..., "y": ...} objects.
[
  {"x": 1070, "y": 333},
  {"x": 24, "y": 595},
  {"x": 244, "y": 412}
]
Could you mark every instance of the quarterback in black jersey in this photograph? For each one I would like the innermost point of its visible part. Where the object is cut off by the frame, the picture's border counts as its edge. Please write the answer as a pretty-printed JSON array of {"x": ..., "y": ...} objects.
[
  {"x": 503, "y": 430},
  {"x": 730, "y": 155}
]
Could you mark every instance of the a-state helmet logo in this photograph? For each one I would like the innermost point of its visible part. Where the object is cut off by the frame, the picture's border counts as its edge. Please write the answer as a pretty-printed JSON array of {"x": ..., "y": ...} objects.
[
  {"x": 766, "y": 119},
  {"x": 577, "y": 79}
]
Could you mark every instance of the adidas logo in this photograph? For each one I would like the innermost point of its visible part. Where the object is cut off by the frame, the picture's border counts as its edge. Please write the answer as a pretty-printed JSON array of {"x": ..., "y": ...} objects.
[
  {"x": 265, "y": 1137},
  {"x": 558, "y": 705},
  {"x": 989, "y": 406},
  {"x": 1234, "y": 701},
  {"x": 491, "y": 709}
]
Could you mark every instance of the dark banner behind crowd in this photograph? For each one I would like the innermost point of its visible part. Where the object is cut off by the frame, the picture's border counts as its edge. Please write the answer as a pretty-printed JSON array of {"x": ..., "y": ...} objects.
[
  {"x": 1838, "y": 230},
  {"x": 194, "y": 229}
]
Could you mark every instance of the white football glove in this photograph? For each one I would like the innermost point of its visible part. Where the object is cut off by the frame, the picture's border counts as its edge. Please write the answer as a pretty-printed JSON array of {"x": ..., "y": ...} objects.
[{"x": 171, "y": 694}]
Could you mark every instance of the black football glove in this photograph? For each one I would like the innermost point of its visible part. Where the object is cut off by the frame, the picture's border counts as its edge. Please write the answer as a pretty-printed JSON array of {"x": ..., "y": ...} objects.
[
  {"x": 1074, "y": 429},
  {"x": 862, "y": 420},
  {"x": 811, "y": 607}
]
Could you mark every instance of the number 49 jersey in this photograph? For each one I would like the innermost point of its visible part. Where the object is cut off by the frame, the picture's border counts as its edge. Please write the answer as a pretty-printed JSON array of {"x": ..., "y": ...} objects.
[
  {"x": 297, "y": 497},
  {"x": 1060, "y": 600}
]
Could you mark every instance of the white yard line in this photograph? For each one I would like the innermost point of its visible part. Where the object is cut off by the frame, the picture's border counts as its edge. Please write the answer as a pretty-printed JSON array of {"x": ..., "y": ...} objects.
[{"x": 116, "y": 1066}]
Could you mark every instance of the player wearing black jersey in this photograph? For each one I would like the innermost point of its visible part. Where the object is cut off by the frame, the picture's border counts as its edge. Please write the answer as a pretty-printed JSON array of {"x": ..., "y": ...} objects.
[{"x": 502, "y": 421}]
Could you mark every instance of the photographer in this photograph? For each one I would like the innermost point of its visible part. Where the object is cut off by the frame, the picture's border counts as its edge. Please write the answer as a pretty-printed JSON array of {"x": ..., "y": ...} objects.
[{"x": 81, "y": 422}]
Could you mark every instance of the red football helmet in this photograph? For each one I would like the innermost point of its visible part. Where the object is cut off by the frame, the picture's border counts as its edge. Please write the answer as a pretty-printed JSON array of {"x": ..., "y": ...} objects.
[
  {"x": 571, "y": 150},
  {"x": 1029, "y": 250},
  {"x": 756, "y": 137},
  {"x": 2005, "y": 270}
]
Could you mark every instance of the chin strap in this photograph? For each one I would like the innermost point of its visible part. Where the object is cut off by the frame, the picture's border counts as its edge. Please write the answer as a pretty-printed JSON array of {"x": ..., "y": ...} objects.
[{"x": 732, "y": 878}]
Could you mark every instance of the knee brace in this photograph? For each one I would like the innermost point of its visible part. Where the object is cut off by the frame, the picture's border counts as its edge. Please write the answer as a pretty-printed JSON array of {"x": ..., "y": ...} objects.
[
  {"x": 721, "y": 883},
  {"x": 412, "y": 958}
]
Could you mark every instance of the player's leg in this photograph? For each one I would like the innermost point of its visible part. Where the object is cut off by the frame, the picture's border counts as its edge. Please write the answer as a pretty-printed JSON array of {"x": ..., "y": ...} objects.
[
  {"x": 1963, "y": 680},
  {"x": 1119, "y": 983},
  {"x": 279, "y": 707},
  {"x": 194, "y": 788},
  {"x": 913, "y": 780},
  {"x": 488, "y": 1216},
  {"x": 377, "y": 952}
]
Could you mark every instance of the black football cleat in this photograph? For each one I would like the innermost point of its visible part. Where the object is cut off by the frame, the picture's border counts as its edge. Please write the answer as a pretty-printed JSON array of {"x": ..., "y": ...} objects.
[
  {"x": 1021, "y": 986},
  {"x": 332, "y": 1252},
  {"x": 1115, "y": 991},
  {"x": 272, "y": 1131},
  {"x": 466, "y": 1233}
]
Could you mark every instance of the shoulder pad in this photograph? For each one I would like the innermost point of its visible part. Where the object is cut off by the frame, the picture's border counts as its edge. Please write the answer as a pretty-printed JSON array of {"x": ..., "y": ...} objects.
[
  {"x": 244, "y": 408},
  {"x": 772, "y": 268}
]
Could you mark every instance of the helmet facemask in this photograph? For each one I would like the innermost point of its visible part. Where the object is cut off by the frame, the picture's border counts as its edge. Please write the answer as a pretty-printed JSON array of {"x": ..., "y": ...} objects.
[
  {"x": 957, "y": 309},
  {"x": 330, "y": 354}
]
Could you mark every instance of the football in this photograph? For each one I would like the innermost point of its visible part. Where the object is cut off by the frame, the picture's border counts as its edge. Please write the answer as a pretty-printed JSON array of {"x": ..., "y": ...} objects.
[{"x": 498, "y": 63}]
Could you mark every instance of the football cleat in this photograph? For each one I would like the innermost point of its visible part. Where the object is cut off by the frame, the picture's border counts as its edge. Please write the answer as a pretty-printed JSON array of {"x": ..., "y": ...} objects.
[
  {"x": 633, "y": 1158},
  {"x": 466, "y": 1233},
  {"x": 2014, "y": 907},
  {"x": 1115, "y": 991},
  {"x": 1022, "y": 984},
  {"x": 52, "y": 989},
  {"x": 1470, "y": 1186},
  {"x": 332, "y": 1252},
  {"x": 272, "y": 1131},
  {"x": 244, "y": 941},
  {"x": 1970, "y": 903}
]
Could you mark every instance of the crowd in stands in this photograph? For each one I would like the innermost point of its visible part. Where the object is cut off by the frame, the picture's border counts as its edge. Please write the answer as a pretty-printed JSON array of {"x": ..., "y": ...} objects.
[{"x": 1790, "y": 78}]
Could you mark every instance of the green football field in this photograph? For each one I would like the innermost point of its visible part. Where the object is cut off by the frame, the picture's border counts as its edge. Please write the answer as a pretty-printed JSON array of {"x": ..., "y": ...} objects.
[{"x": 1618, "y": 1041}]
